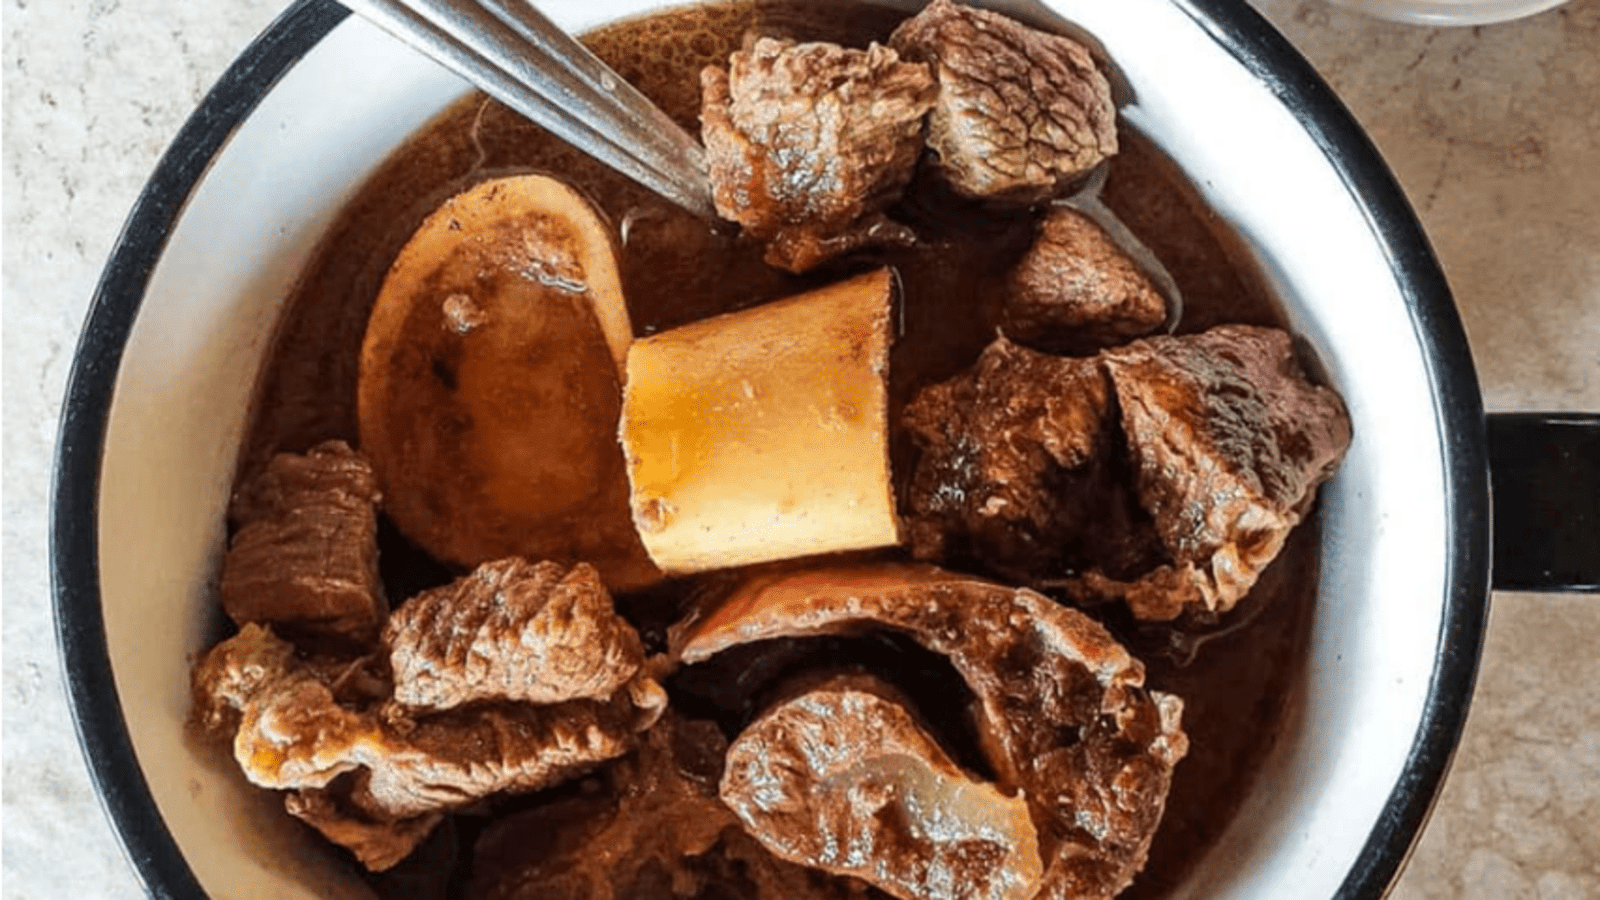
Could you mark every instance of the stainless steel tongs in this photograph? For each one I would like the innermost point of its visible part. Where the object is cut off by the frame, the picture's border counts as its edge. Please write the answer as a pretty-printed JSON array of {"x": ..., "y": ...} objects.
[{"x": 516, "y": 55}]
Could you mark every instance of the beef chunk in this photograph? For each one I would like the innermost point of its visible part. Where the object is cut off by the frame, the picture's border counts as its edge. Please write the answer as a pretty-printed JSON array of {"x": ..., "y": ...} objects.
[
  {"x": 1061, "y": 710},
  {"x": 511, "y": 631},
  {"x": 372, "y": 775},
  {"x": 652, "y": 829},
  {"x": 1230, "y": 441},
  {"x": 447, "y": 760},
  {"x": 293, "y": 734},
  {"x": 305, "y": 555},
  {"x": 1021, "y": 114},
  {"x": 379, "y": 844},
  {"x": 1022, "y": 471},
  {"x": 1076, "y": 291},
  {"x": 842, "y": 778},
  {"x": 1166, "y": 473},
  {"x": 808, "y": 144}
]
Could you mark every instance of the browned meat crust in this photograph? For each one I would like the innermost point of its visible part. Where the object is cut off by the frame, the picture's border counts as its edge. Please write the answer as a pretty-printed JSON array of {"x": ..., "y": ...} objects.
[
  {"x": 808, "y": 144},
  {"x": 1166, "y": 473},
  {"x": 1230, "y": 441},
  {"x": 374, "y": 774},
  {"x": 305, "y": 556},
  {"x": 1076, "y": 291},
  {"x": 1022, "y": 113},
  {"x": 1023, "y": 472},
  {"x": 511, "y": 631}
]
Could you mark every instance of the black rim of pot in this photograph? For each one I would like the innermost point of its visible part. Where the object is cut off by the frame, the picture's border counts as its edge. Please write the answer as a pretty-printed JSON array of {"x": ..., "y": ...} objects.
[{"x": 74, "y": 549}]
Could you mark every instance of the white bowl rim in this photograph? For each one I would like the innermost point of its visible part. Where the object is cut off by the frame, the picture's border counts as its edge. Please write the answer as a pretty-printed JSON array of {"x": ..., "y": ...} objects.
[{"x": 1238, "y": 29}]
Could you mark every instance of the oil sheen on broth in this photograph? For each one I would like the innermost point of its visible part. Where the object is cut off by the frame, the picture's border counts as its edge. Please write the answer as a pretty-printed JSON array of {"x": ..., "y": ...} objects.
[{"x": 1238, "y": 687}]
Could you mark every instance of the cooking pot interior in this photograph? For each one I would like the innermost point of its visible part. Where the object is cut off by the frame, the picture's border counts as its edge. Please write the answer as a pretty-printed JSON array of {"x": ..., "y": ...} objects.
[{"x": 254, "y": 217}]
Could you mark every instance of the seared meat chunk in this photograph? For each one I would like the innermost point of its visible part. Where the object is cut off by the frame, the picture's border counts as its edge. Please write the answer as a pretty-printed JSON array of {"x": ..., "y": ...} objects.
[
  {"x": 305, "y": 556},
  {"x": 1022, "y": 470},
  {"x": 1021, "y": 114},
  {"x": 656, "y": 830},
  {"x": 1166, "y": 473},
  {"x": 453, "y": 758},
  {"x": 808, "y": 144},
  {"x": 1076, "y": 291},
  {"x": 294, "y": 734},
  {"x": 515, "y": 631},
  {"x": 1061, "y": 710},
  {"x": 842, "y": 778},
  {"x": 374, "y": 777},
  {"x": 1230, "y": 441}
]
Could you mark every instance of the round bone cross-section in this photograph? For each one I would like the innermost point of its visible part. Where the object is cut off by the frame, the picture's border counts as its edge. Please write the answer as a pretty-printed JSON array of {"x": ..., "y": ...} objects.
[{"x": 1061, "y": 711}]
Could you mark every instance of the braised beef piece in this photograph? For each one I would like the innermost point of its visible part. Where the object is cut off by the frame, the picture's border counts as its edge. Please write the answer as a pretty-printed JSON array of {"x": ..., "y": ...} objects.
[
  {"x": 844, "y": 779},
  {"x": 304, "y": 557},
  {"x": 511, "y": 631},
  {"x": 1022, "y": 471},
  {"x": 1062, "y": 713},
  {"x": 1075, "y": 291},
  {"x": 1230, "y": 441},
  {"x": 450, "y": 759},
  {"x": 1166, "y": 473},
  {"x": 1021, "y": 114},
  {"x": 652, "y": 829},
  {"x": 808, "y": 144},
  {"x": 373, "y": 773}
]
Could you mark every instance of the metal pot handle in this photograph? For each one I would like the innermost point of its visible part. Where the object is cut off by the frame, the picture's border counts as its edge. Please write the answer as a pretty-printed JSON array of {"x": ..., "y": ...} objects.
[{"x": 1545, "y": 472}]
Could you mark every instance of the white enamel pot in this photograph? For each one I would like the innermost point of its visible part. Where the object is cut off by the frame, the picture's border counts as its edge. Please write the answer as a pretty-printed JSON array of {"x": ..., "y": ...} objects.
[{"x": 186, "y": 309}]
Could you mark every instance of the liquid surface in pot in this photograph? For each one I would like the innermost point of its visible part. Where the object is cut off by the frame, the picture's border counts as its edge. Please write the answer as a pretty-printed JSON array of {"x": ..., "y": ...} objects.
[{"x": 1238, "y": 680}]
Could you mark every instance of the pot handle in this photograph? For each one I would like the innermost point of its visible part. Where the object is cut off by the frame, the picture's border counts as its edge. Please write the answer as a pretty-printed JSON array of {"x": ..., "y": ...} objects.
[{"x": 1545, "y": 473}]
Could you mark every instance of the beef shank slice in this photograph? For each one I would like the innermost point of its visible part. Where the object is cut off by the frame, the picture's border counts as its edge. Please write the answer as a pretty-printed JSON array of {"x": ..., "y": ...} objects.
[
  {"x": 511, "y": 630},
  {"x": 842, "y": 778},
  {"x": 1021, "y": 470},
  {"x": 807, "y": 144},
  {"x": 305, "y": 555},
  {"x": 1021, "y": 113},
  {"x": 1230, "y": 441},
  {"x": 1061, "y": 711},
  {"x": 1076, "y": 291}
]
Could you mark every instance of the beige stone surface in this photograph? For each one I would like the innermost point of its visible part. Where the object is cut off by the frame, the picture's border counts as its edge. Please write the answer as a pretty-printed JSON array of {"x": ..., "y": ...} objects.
[{"x": 1494, "y": 133}]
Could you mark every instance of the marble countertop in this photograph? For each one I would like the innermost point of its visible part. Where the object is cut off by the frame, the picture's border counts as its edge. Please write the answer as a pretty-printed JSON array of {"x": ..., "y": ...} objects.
[{"x": 1493, "y": 131}]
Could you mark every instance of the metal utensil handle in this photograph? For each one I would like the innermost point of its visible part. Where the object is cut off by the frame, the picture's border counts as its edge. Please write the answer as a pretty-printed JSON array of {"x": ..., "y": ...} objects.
[
  {"x": 568, "y": 55},
  {"x": 620, "y": 129}
]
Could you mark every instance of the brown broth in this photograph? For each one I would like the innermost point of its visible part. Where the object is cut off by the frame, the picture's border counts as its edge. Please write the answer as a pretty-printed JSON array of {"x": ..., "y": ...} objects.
[{"x": 1238, "y": 688}]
